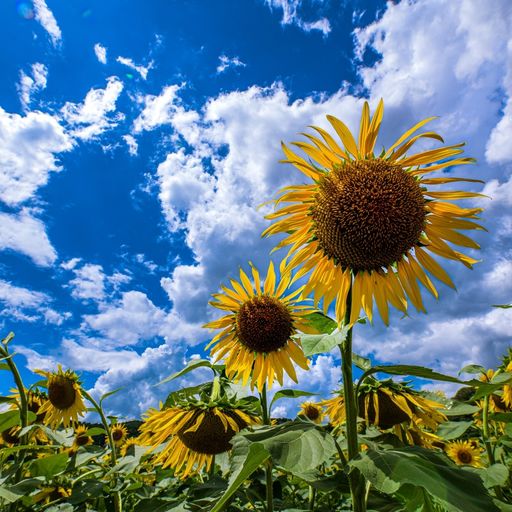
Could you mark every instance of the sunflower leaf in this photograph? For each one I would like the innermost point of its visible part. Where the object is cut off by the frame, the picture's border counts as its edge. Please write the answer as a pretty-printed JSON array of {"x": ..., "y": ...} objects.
[
  {"x": 9, "y": 419},
  {"x": 321, "y": 323},
  {"x": 110, "y": 393},
  {"x": 192, "y": 365},
  {"x": 289, "y": 393},
  {"x": 452, "y": 429},
  {"x": 472, "y": 368},
  {"x": 415, "y": 371},
  {"x": 496, "y": 474},
  {"x": 502, "y": 306},
  {"x": 49, "y": 466},
  {"x": 400, "y": 471},
  {"x": 320, "y": 343}
]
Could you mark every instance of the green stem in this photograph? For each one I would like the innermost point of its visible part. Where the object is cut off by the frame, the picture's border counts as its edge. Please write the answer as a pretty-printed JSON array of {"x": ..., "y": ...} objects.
[
  {"x": 487, "y": 441},
  {"x": 268, "y": 466},
  {"x": 312, "y": 496},
  {"x": 118, "y": 505},
  {"x": 356, "y": 481}
]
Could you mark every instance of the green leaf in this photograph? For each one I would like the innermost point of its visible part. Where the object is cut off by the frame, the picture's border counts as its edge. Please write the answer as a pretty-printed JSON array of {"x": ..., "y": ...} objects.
[
  {"x": 505, "y": 417},
  {"x": 110, "y": 393},
  {"x": 321, "y": 323},
  {"x": 49, "y": 466},
  {"x": 7, "y": 399},
  {"x": 192, "y": 365},
  {"x": 494, "y": 475},
  {"x": 472, "y": 368},
  {"x": 412, "y": 370},
  {"x": 296, "y": 446},
  {"x": 456, "y": 489},
  {"x": 9, "y": 496},
  {"x": 460, "y": 409},
  {"x": 289, "y": 393},
  {"x": 503, "y": 306},
  {"x": 363, "y": 363},
  {"x": 452, "y": 429},
  {"x": 8, "y": 338},
  {"x": 9, "y": 419},
  {"x": 246, "y": 458},
  {"x": 319, "y": 343},
  {"x": 96, "y": 431}
]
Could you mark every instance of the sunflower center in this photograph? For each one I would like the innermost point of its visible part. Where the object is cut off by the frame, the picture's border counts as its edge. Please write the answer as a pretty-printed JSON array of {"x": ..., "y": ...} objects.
[
  {"x": 311, "y": 412},
  {"x": 211, "y": 437},
  {"x": 264, "y": 324},
  {"x": 117, "y": 434},
  {"x": 61, "y": 393},
  {"x": 82, "y": 440},
  {"x": 367, "y": 214},
  {"x": 388, "y": 414},
  {"x": 464, "y": 456}
]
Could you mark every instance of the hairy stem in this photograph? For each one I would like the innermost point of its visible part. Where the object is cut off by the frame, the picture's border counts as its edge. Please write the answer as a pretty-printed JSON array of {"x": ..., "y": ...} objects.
[{"x": 268, "y": 466}]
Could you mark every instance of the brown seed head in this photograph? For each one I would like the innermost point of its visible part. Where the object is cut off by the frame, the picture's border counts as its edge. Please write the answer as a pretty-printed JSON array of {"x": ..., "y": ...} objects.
[
  {"x": 61, "y": 392},
  {"x": 367, "y": 214}
]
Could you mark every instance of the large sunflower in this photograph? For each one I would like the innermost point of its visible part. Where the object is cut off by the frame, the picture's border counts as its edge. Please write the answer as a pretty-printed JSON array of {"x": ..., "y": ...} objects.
[
  {"x": 257, "y": 333},
  {"x": 372, "y": 219},
  {"x": 192, "y": 434},
  {"x": 65, "y": 403}
]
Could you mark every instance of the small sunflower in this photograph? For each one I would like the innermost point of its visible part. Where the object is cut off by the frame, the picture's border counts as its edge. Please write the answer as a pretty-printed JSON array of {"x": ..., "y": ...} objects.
[
  {"x": 119, "y": 433},
  {"x": 10, "y": 436},
  {"x": 81, "y": 438},
  {"x": 497, "y": 402},
  {"x": 256, "y": 339},
  {"x": 312, "y": 411},
  {"x": 464, "y": 453},
  {"x": 507, "y": 389},
  {"x": 193, "y": 435},
  {"x": 65, "y": 403},
  {"x": 335, "y": 409},
  {"x": 127, "y": 444},
  {"x": 369, "y": 222}
]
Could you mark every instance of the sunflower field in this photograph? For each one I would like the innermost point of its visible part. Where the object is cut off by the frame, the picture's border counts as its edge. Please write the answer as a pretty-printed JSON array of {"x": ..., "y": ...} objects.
[{"x": 364, "y": 232}]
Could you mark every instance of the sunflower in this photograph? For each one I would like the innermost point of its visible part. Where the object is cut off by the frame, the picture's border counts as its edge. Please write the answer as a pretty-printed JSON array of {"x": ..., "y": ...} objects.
[
  {"x": 193, "y": 435},
  {"x": 507, "y": 389},
  {"x": 386, "y": 404},
  {"x": 257, "y": 336},
  {"x": 368, "y": 223},
  {"x": 65, "y": 403},
  {"x": 464, "y": 453},
  {"x": 81, "y": 438},
  {"x": 127, "y": 444},
  {"x": 10, "y": 436},
  {"x": 312, "y": 411},
  {"x": 497, "y": 403},
  {"x": 119, "y": 433}
]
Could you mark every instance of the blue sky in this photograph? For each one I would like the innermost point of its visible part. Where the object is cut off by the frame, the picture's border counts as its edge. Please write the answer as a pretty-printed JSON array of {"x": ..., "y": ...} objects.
[{"x": 137, "y": 140}]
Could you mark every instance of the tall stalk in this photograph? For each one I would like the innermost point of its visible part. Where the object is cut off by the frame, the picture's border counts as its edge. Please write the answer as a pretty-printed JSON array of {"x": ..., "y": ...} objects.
[
  {"x": 268, "y": 466},
  {"x": 356, "y": 480}
]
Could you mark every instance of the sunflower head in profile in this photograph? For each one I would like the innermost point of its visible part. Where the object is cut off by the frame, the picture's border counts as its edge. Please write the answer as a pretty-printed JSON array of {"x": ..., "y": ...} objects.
[
  {"x": 193, "y": 433},
  {"x": 335, "y": 409},
  {"x": 312, "y": 411},
  {"x": 10, "y": 436},
  {"x": 65, "y": 403},
  {"x": 256, "y": 337},
  {"x": 127, "y": 446},
  {"x": 464, "y": 453},
  {"x": 372, "y": 223}
]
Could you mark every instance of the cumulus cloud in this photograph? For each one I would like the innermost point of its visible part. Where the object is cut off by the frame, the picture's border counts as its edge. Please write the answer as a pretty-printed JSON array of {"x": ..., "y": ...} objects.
[
  {"x": 31, "y": 84},
  {"x": 133, "y": 147},
  {"x": 101, "y": 53},
  {"x": 24, "y": 233},
  {"x": 229, "y": 62},
  {"x": 28, "y": 145},
  {"x": 142, "y": 70},
  {"x": 28, "y": 305},
  {"x": 47, "y": 20},
  {"x": 291, "y": 16},
  {"x": 96, "y": 114}
]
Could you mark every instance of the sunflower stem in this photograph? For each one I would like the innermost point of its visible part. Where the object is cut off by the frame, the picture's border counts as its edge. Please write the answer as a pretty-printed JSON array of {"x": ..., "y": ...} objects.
[
  {"x": 312, "y": 496},
  {"x": 356, "y": 480},
  {"x": 268, "y": 467},
  {"x": 118, "y": 504},
  {"x": 487, "y": 441}
]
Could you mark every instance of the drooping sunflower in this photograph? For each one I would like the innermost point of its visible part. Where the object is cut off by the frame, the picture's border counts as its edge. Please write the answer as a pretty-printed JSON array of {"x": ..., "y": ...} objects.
[
  {"x": 369, "y": 223},
  {"x": 464, "y": 453},
  {"x": 65, "y": 403},
  {"x": 193, "y": 434},
  {"x": 312, "y": 411},
  {"x": 385, "y": 404},
  {"x": 256, "y": 339}
]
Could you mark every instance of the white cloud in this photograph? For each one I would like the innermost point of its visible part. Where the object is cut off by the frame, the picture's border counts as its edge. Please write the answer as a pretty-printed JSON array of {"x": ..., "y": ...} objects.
[
  {"x": 101, "y": 53},
  {"x": 88, "y": 283},
  {"x": 28, "y": 305},
  {"x": 25, "y": 234},
  {"x": 229, "y": 62},
  {"x": 133, "y": 147},
  {"x": 142, "y": 70},
  {"x": 158, "y": 110},
  {"x": 30, "y": 84},
  {"x": 291, "y": 16},
  {"x": 28, "y": 145},
  {"x": 91, "y": 118},
  {"x": 47, "y": 20}
]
